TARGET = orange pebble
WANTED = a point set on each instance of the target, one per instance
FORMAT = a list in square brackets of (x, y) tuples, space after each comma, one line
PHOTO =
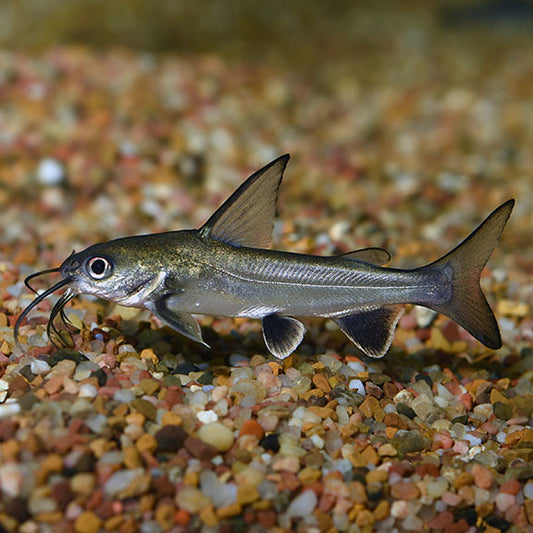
[(182, 518), (251, 427)]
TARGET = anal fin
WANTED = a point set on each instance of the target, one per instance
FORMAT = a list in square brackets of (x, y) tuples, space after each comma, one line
[(282, 334), (181, 321), (371, 331)]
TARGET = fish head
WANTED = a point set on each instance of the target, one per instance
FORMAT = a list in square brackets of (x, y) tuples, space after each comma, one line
[(113, 270)]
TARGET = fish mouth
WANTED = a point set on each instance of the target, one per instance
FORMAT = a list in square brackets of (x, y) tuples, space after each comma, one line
[(59, 338)]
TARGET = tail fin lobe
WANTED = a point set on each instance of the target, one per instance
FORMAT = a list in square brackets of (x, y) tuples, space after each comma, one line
[(468, 305)]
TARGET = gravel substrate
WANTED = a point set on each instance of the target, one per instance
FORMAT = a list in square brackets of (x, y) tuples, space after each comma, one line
[(137, 429)]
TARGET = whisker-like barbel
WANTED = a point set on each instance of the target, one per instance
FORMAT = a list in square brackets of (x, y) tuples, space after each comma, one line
[(38, 274), (37, 301), (58, 309)]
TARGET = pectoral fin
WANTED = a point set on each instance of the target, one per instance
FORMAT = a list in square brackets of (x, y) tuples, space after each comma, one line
[(180, 321), (282, 334), (246, 218), (371, 331)]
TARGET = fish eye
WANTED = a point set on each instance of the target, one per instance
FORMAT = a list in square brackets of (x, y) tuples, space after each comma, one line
[(99, 267)]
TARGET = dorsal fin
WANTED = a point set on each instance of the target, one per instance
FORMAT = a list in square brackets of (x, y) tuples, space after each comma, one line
[(246, 218), (374, 256)]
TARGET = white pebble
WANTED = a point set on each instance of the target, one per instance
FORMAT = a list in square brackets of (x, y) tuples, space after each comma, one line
[(11, 479), (357, 386), (399, 509), (303, 505), (317, 441), (474, 441), (413, 523), (123, 396), (9, 409), (96, 423), (121, 481), (504, 501), (338, 230), (207, 417), (356, 366), (440, 401), (483, 411), (424, 316), (50, 171), (88, 390), (501, 436), (528, 490), (38, 366)]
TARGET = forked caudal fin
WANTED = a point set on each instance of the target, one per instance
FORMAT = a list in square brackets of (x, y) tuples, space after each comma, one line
[(468, 305)]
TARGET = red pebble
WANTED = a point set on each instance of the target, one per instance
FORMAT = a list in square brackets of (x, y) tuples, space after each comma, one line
[(441, 521), (466, 400), (443, 440), (450, 330), (326, 502), (173, 396), (428, 469), (459, 527), (511, 486), (483, 477)]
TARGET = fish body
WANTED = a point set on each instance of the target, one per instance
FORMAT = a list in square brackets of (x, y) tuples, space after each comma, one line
[(225, 269)]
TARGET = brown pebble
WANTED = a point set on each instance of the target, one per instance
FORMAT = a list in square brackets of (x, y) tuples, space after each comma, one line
[(521, 436), (382, 510), (200, 449), (390, 389), (114, 523), (170, 418), (132, 458), (164, 515), (8, 429), (464, 478), (266, 518), (229, 511), (324, 520), (145, 407), (442, 521), (323, 412), (369, 405), (163, 486), (149, 386), (62, 494), (309, 475), (376, 476), (247, 494), (370, 455), (365, 518), (170, 438), (87, 522), (321, 382), (146, 443), (405, 490), (208, 516), (395, 420)]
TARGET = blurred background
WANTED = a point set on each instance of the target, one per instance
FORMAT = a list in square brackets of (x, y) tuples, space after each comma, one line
[(129, 116)]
